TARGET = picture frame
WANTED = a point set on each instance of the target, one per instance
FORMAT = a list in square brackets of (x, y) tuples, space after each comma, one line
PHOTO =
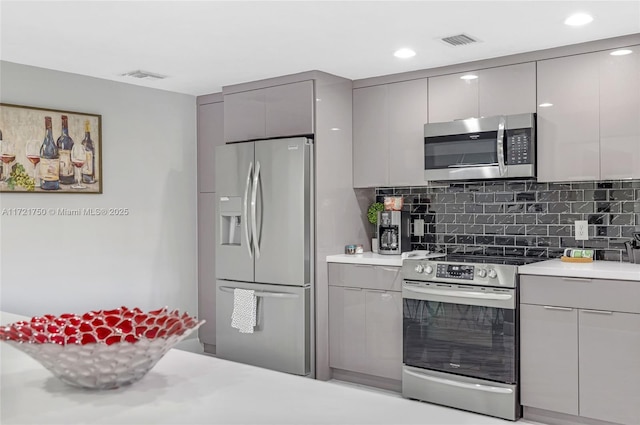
[(37, 155)]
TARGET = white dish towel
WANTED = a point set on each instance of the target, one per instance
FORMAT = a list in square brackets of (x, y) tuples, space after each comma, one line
[(243, 317)]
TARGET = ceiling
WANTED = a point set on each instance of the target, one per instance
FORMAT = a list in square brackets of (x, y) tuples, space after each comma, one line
[(202, 46)]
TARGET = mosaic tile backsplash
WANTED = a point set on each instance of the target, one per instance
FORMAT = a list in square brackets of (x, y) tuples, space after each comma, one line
[(522, 217)]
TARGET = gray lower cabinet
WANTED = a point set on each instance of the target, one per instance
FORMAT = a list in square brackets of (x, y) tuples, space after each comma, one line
[(206, 268), (610, 366), (365, 320), (580, 347), (548, 359)]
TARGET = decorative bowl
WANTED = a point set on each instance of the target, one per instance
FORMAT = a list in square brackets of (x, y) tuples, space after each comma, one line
[(100, 349)]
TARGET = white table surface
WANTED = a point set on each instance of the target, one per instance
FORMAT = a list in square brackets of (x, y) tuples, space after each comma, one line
[(596, 269), (189, 388)]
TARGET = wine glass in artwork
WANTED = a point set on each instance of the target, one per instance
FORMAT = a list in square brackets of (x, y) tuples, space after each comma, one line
[(78, 157), (32, 151), (7, 156)]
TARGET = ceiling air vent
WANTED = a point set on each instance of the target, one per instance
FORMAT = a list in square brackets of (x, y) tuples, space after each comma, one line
[(144, 75), (459, 40)]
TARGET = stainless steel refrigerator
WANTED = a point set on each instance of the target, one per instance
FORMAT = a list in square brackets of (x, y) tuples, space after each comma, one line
[(265, 243)]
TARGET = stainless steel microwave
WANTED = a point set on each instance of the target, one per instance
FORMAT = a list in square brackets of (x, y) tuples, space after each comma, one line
[(481, 148)]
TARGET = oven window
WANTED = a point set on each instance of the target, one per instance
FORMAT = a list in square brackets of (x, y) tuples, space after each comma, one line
[(446, 151), (463, 339)]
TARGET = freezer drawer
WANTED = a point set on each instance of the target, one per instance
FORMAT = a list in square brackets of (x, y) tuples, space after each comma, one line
[(280, 340)]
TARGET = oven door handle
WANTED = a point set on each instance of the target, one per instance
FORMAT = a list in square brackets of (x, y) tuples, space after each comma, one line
[(475, 387), (460, 294)]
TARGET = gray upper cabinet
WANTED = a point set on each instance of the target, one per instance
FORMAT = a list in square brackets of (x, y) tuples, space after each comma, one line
[(407, 116), (452, 98), (289, 109), (620, 115), (388, 128), (278, 111), (507, 90), (569, 128), (244, 116), (594, 118), (370, 137), (210, 135), (502, 90)]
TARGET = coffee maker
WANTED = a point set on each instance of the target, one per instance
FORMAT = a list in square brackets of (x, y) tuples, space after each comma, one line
[(393, 232)]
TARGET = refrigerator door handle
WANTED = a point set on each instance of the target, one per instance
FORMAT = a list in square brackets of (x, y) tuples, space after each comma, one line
[(254, 210), (245, 217)]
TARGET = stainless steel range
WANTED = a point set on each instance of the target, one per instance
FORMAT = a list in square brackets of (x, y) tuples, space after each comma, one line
[(460, 333)]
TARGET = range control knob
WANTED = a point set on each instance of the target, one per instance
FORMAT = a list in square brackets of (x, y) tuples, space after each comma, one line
[(419, 268), (428, 270), (492, 274), (482, 273)]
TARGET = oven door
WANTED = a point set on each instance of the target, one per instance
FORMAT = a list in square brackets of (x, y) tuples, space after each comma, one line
[(465, 330)]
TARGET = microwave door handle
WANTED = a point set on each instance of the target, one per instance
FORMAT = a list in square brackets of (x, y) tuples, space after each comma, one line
[(244, 210), (471, 165), (254, 210), (500, 146)]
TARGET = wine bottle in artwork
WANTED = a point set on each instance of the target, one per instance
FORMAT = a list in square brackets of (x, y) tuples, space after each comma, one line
[(65, 144), (49, 160), (89, 168)]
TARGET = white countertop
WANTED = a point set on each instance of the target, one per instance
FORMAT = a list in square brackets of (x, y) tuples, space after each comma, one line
[(377, 259), (189, 388), (596, 269)]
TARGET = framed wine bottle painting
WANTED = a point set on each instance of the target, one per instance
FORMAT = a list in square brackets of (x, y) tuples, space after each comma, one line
[(49, 151)]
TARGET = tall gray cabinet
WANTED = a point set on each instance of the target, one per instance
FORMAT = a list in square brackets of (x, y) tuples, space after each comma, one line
[(210, 134)]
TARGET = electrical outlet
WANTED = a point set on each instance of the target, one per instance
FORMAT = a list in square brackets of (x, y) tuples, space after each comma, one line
[(581, 230), (418, 227)]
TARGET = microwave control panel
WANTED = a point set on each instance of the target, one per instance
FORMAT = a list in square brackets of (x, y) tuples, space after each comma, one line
[(518, 147)]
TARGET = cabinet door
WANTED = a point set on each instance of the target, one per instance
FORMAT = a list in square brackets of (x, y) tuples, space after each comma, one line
[(407, 107), (370, 137), (347, 329), (507, 90), (569, 129), (384, 333), (244, 116), (210, 135), (289, 109), (549, 358), (452, 98), (206, 267), (610, 366), (620, 115)]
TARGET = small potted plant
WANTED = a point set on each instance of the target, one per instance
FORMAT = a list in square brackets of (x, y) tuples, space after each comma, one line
[(372, 215)]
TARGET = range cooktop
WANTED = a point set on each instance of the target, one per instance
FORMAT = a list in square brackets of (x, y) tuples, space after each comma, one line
[(491, 259)]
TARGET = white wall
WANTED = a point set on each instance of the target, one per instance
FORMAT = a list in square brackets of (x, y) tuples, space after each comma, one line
[(148, 259)]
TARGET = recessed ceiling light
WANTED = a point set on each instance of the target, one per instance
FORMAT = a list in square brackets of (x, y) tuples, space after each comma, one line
[(545, 105), (621, 52), (469, 77), (335, 129), (404, 53), (578, 19)]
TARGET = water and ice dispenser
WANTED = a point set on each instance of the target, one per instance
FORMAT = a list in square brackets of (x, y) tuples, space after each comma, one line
[(230, 216)]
